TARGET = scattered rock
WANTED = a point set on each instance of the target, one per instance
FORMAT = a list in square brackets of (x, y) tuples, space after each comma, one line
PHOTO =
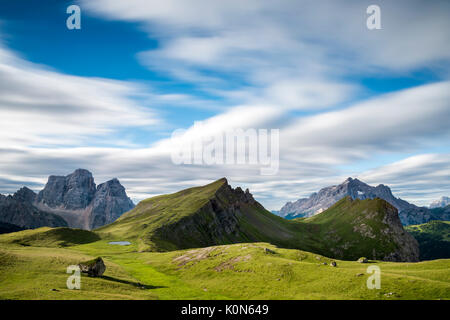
[(363, 260), (390, 294), (55, 290), (359, 274), (325, 263), (267, 250), (94, 268), (333, 264)]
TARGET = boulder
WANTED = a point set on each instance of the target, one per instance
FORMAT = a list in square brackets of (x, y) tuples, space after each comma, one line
[(333, 264), (94, 268), (363, 260)]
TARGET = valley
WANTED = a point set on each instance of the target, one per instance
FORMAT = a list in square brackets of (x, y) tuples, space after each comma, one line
[(217, 242)]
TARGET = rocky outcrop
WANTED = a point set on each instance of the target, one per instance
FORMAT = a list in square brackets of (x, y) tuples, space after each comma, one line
[(407, 246), (19, 210), (83, 205), (94, 268)]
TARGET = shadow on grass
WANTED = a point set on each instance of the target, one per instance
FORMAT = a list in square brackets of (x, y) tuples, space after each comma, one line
[(135, 284)]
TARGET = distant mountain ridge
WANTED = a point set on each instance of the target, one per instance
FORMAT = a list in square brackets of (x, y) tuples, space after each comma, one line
[(356, 189), (442, 202), (18, 210), (73, 200)]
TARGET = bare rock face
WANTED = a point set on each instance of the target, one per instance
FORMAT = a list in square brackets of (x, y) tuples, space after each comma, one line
[(18, 210), (407, 245), (109, 203), (72, 192), (94, 268), (84, 205)]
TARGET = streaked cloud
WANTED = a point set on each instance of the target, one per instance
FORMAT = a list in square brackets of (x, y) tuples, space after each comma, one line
[(292, 65)]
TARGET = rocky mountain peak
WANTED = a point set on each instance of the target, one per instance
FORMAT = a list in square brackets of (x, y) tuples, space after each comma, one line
[(327, 196), (71, 192), (25, 194), (239, 195), (83, 204)]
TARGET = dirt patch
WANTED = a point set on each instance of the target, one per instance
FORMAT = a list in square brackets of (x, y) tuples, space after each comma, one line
[(229, 265), (194, 256)]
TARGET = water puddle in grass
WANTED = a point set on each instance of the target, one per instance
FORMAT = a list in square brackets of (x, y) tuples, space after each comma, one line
[(120, 243)]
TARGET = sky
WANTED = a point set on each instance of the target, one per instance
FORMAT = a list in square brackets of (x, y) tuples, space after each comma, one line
[(348, 101)]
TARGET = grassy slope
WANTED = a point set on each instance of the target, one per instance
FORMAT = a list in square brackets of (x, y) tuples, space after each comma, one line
[(335, 228), (433, 238), (239, 271), (139, 225), (153, 213), (49, 237)]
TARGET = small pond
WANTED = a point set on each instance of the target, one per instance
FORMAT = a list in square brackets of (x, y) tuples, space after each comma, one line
[(120, 243)]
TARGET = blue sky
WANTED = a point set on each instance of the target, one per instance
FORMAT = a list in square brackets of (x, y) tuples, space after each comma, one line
[(373, 104)]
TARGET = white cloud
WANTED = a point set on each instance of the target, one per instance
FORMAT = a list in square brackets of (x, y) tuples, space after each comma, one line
[(398, 121), (420, 179), (43, 107)]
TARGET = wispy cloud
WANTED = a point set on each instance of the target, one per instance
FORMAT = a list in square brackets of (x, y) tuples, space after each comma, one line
[(292, 65), (39, 106)]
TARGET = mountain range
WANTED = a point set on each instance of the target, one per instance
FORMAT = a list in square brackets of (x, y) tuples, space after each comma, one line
[(355, 219), (73, 200), (356, 189), (217, 214)]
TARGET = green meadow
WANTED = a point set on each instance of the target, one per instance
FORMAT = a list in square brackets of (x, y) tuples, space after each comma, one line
[(33, 266)]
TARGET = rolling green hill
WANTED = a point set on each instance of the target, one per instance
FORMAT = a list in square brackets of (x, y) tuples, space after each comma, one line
[(49, 237), (217, 214), (433, 238), (238, 271)]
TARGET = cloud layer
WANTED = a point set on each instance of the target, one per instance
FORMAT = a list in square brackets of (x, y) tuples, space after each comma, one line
[(289, 65)]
